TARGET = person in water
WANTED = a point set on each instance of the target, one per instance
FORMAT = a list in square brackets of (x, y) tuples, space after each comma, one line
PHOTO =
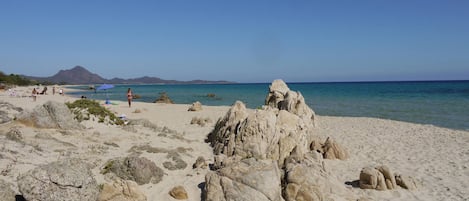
[(129, 96)]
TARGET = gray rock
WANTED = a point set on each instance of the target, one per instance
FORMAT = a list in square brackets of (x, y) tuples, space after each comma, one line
[(176, 164), (66, 180), (8, 112), (138, 169), (6, 193), (50, 115), (248, 179)]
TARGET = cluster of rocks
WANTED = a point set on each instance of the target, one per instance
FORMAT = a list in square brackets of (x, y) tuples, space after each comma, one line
[(382, 178), (270, 154)]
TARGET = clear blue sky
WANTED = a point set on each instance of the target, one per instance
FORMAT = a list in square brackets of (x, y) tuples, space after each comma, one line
[(243, 41)]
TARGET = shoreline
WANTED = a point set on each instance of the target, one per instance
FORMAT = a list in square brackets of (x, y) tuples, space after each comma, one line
[(435, 156)]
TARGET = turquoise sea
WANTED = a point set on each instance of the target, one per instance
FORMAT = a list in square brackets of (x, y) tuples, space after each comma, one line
[(441, 103)]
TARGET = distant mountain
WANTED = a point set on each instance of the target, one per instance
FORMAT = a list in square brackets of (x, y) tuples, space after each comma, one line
[(80, 75)]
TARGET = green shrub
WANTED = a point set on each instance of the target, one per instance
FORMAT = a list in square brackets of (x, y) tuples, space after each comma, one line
[(92, 108)]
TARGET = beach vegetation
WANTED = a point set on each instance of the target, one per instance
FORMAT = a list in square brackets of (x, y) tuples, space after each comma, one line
[(14, 79), (83, 109)]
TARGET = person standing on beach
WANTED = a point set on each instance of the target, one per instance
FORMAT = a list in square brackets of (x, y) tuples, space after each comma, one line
[(53, 90), (129, 96), (34, 94)]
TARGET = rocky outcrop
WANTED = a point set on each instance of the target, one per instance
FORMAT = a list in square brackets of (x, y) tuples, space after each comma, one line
[(67, 180), (178, 193), (138, 169), (265, 154), (50, 115), (121, 190), (264, 134), (6, 193), (196, 106), (248, 179), (164, 98)]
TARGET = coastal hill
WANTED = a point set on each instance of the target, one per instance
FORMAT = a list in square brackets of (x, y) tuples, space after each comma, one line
[(80, 75)]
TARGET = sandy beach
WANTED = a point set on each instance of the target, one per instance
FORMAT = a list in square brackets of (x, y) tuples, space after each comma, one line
[(438, 158)]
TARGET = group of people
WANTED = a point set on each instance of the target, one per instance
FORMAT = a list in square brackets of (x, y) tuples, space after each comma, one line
[(61, 92), (36, 92)]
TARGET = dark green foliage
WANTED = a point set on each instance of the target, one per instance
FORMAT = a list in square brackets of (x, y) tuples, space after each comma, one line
[(93, 108), (15, 80)]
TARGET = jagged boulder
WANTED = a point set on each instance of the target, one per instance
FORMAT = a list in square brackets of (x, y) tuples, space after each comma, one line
[(263, 134), (281, 97), (67, 180), (6, 193), (248, 179), (121, 190), (196, 106), (50, 115), (138, 169)]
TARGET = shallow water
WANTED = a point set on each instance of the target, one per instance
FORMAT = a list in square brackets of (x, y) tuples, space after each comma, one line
[(441, 103)]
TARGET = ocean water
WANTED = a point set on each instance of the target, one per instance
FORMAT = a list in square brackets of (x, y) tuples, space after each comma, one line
[(441, 103)]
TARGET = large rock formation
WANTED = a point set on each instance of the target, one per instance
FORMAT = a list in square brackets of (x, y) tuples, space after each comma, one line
[(67, 180), (265, 154), (50, 115)]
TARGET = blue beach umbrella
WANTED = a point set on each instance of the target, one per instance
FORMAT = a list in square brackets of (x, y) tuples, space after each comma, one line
[(105, 87)]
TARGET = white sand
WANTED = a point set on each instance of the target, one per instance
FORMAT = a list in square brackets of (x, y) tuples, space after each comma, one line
[(438, 157)]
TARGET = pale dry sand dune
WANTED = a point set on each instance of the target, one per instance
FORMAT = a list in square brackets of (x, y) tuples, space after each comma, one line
[(437, 157)]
